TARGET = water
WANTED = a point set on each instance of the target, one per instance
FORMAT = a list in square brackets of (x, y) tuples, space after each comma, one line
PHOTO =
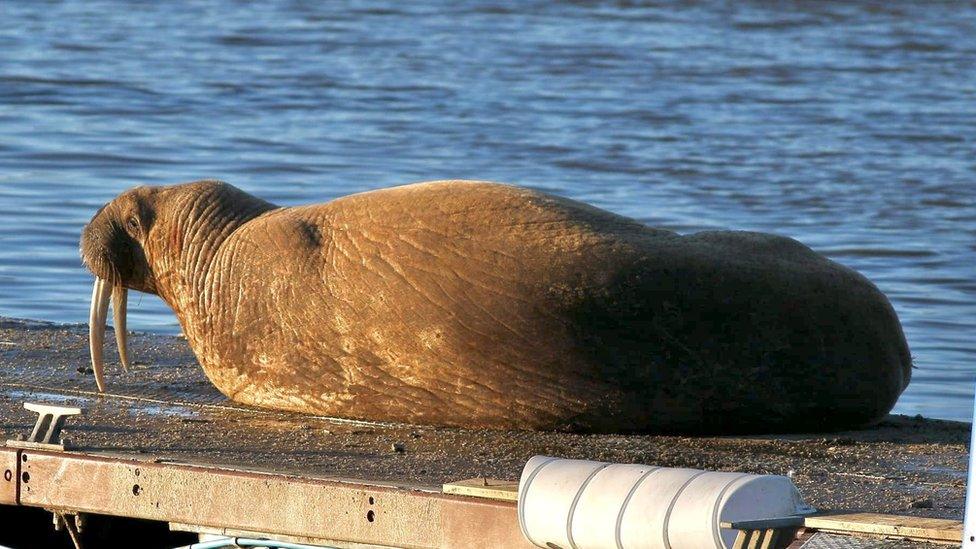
[(849, 126)]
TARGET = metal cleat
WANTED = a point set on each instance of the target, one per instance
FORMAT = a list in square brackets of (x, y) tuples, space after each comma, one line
[(47, 430)]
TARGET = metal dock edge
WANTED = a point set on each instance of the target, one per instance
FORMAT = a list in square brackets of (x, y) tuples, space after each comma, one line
[(213, 499)]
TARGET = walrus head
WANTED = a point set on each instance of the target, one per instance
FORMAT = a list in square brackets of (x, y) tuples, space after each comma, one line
[(112, 249), (149, 233)]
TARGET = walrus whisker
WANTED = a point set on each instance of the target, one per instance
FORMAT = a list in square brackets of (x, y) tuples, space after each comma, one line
[(96, 328), (120, 297)]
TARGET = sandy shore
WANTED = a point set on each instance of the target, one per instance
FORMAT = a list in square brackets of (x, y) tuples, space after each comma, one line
[(165, 408)]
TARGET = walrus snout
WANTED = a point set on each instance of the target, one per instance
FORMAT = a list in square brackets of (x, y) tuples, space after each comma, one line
[(114, 258)]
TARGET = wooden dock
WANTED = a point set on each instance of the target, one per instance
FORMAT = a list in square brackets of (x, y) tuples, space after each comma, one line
[(163, 445), (331, 512)]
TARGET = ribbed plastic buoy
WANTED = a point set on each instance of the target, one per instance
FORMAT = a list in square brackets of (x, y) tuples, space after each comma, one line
[(592, 505)]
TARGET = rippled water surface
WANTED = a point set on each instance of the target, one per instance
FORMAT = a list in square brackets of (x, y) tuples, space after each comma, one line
[(850, 126)]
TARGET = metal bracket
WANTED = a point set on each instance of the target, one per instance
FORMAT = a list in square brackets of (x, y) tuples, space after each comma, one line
[(771, 533), (73, 527), (47, 430)]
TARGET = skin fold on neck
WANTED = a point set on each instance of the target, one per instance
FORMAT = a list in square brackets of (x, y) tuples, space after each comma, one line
[(181, 249)]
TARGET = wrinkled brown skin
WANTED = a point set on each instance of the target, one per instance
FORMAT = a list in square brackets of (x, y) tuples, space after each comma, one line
[(483, 305)]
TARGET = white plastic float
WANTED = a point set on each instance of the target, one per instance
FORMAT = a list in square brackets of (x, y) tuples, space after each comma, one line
[(574, 504)]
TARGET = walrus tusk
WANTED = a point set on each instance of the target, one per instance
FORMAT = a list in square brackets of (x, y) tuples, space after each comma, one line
[(120, 295), (96, 328)]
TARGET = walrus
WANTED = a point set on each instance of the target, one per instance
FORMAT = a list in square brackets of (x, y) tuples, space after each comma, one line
[(483, 305)]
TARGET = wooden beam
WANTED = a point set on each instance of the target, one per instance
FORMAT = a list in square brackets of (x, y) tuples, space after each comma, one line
[(332, 511), (917, 528), (10, 481), (490, 488)]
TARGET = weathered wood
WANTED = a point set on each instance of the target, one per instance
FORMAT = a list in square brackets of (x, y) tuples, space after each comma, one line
[(755, 538), (918, 528), (332, 511), (30, 445), (764, 533), (741, 539), (9, 481), (506, 490), (769, 538)]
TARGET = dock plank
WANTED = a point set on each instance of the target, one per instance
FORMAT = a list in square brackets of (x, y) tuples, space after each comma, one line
[(506, 490), (919, 528)]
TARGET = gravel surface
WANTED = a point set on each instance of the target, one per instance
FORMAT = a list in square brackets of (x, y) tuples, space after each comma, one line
[(164, 407)]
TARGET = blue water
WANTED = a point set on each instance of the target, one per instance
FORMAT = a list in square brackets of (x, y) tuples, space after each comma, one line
[(850, 126)]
